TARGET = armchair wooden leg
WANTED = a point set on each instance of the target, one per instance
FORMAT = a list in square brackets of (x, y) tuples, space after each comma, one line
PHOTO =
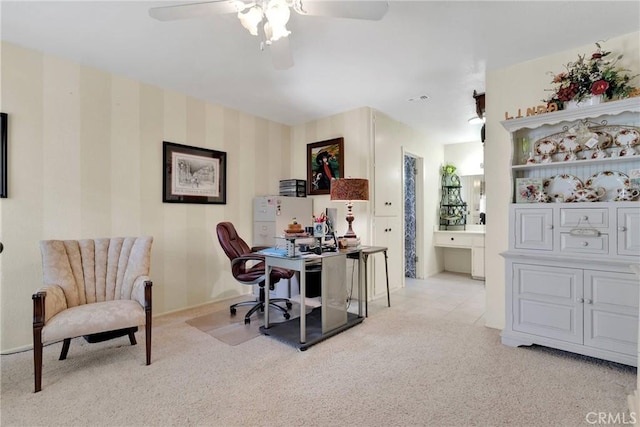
[(37, 360), (132, 336), (38, 324), (147, 325), (65, 348)]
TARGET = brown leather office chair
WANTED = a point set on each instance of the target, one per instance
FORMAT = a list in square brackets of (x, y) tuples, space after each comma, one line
[(248, 268)]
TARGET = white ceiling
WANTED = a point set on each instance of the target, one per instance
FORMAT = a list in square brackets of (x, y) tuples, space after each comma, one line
[(440, 49)]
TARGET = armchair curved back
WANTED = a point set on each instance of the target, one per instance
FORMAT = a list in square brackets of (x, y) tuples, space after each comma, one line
[(95, 270)]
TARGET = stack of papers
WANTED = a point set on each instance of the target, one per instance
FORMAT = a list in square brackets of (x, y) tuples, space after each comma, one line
[(274, 251)]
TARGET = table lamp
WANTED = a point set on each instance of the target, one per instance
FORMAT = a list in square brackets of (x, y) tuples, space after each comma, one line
[(349, 190)]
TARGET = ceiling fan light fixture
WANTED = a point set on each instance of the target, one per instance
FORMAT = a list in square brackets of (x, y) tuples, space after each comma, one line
[(250, 19), (278, 14)]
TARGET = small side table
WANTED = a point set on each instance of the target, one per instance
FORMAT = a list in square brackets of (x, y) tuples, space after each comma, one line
[(365, 251)]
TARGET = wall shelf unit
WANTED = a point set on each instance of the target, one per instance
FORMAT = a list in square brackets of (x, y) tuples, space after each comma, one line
[(453, 210)]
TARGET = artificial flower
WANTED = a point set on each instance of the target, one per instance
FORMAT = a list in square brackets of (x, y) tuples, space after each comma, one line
[(599, 87), (598, 76)]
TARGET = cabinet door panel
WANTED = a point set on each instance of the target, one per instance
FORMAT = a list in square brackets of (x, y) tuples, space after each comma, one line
[(611, 331), (611, 311), (545, 302), (387, 233), (628, 231), (388, 177), (534, 229)]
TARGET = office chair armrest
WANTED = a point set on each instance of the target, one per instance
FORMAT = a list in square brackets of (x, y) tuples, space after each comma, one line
[(247, 257), (258, 248)]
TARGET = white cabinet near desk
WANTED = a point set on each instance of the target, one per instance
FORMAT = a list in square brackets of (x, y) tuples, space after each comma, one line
[(387, 233), (461, 245)]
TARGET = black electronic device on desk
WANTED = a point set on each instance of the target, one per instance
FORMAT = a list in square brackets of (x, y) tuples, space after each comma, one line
[(321, 245), (324, 247)]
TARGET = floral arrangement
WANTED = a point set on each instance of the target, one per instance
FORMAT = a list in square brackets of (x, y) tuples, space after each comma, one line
[(597, 75), (448, 169)]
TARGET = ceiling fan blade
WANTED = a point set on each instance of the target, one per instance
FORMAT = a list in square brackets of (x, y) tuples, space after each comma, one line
[(281, 54), (192, 10), (370, 10)]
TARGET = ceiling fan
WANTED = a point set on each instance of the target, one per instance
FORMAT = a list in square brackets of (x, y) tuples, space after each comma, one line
[(268, 18)]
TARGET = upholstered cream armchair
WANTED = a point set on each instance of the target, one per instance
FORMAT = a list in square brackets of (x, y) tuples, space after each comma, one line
[(98, 289)]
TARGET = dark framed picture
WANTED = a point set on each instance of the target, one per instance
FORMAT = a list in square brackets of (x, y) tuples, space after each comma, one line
[(193, 174), (325, 161), (3, 155)]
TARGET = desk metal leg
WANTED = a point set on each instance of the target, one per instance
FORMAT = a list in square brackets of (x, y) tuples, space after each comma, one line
[(361, 288), (267, 283), (303, 300), (386, 270), (365, 257)]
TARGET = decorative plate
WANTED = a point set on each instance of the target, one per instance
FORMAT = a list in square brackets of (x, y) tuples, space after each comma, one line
[(562, 185), (627, 137), (545, 146), (610, 181), (570, 144), (604, 139)]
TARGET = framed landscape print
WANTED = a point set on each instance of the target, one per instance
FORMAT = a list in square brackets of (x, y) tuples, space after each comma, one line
[(325, 161), (193, 174)]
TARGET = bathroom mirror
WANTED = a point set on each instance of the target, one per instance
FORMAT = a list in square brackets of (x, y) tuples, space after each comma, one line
[(473, 193)]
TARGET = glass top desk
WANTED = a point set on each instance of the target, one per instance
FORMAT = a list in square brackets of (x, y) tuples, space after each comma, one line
[(332, 316)]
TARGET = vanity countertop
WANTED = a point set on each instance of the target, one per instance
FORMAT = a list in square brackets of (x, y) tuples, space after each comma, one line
[(479, 230)]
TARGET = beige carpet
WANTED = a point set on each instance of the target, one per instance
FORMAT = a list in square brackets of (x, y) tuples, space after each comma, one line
[(400, 367)]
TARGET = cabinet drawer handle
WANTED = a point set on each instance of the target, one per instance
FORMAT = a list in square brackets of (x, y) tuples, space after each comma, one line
[(549, 227), (580, 300), (585, 243), (622, 228), (588, 301), (452, 239), (585, 218)]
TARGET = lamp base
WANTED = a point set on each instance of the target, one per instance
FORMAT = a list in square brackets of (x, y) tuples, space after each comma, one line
[(350, 234)]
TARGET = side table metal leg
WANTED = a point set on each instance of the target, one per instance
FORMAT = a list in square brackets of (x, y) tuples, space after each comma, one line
[(386, 270)]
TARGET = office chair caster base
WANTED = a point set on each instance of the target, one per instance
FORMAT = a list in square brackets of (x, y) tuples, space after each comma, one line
[(287, 316), (289, 305), (233, 311), (247, 321)]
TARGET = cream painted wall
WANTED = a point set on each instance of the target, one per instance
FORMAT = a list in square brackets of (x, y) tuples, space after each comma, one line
[(508, 89), (85, 161), (355, 127)]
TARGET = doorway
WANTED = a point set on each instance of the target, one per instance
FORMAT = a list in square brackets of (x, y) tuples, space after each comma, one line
[(412, 184)]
